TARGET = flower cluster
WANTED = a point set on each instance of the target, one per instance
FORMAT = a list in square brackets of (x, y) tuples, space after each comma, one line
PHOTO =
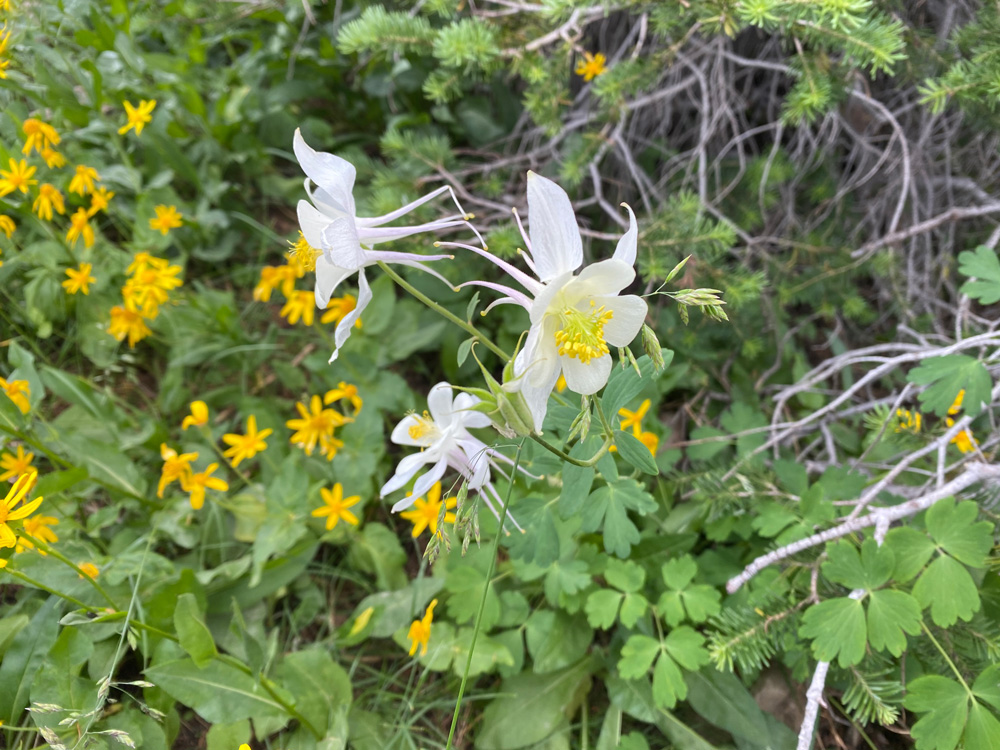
[(148, 287), (316, 425)]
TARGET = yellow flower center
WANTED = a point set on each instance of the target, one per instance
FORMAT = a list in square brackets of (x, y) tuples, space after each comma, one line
[(423, 427), (581, 334)]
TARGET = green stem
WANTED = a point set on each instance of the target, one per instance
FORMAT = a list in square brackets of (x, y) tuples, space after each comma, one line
[(482, 600), (951, 664), (63, 559), (464, 325), (38, 584), (568, 458), (608, 429)]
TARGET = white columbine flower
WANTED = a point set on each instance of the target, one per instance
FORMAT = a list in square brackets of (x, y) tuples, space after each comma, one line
[(442, 434), (574, 318), (330, 224)]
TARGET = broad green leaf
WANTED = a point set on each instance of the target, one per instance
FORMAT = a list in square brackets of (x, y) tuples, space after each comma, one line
[(948, 589), (868, 571), (531, 707), (982, 265), (721, 698), (946, 376), (635, 452), (541, 545), (890, 613), (792, 475), (837, 627), (577, 480), (634, 606), (911, 550), (320, 686), (194, 635), (668, 682), (698, 602), (556, 639), (671, 607), (954, 527), (227, 736), (701, 602), (77, 391), (987, 686), (740, 417), (772, 518), (602, 608), (624, 575), (678, 573), (982, 732), (687, 647), (23, 657), (465, 586), (564, 579), (945, 706), (488, 655), (637, 656), (624, 384)]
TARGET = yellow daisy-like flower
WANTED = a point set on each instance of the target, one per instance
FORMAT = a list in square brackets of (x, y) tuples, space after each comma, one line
[(650, 441), (315, 422), (344, 391), (99, 200), (338, 307), (17, 493), (7, 225), (176, 467), (335, 507), (198, 416), (79, 279), (964, 441), (301, 305), (167, 218), (89, 569), (329, 445), (198, 483), (908, 421), (39, 136), (420, 630), (37, 528), (48, 198), (270, 277), (425, 514), (149, 286), (83, 181), (633, 419), (303, 255), (127, 320), (245, 446), (591, 66), (18, 391), (80, 227), (18, 177), (138, 117), (53, 159), (16, 465)]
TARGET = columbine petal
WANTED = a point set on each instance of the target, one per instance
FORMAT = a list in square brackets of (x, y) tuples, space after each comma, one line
[(629, 314), (341, 244), (423, 483), (537, 397), (401, 432), (328, 171), (407, 467), (328, 278), (555, 237), (628, 244), (588, 378), (439, 404), (346, 324), (606, 277), (462, 408)]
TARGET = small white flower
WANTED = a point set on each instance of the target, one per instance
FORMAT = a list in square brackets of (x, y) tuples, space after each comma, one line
[(330, 223), (574, 318)]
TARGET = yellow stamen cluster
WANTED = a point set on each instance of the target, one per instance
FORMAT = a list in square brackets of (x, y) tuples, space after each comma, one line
[(581, 334), (303, 254), (423, 427)]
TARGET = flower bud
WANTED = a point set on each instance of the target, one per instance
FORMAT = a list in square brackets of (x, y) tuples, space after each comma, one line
[(651, 345)]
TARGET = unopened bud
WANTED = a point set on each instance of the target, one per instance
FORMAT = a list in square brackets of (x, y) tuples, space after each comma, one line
[(651, 345)]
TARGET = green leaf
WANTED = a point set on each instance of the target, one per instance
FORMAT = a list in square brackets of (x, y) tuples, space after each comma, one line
[(698, 602), (320, 686), (837, 627), (633, 607), (531, 707), (677, 574), (608, 505), (946, 376), (987, 686), (945, 705), (721, 698), (624, 575), (602, 608), (556, 639), (194, 635), (577, 480), (218, 693), (890, 613), (24, 656), (982, 732), (954, 527), (687, 647), (637, 656), (983, 265), (625, 385), (869, 571), (948, 589), (634, 452), (668, 682), (465, 586), (911, 550)]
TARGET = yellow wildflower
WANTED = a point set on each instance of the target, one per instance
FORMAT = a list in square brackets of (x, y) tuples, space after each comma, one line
[(53, 159), (48, 198), (79, 279), (149, 286), (956, 407), (138, 117), (270, 277), (143, 260), (37, 528), (176, 467), (425, 513), (303, 255), (344, 391), (7, 513), (964, 441), (300, 305), (80, 227), (199, 482), (198, 416), (335, 507), (650, 441), (591, 66), (7, 225), (167, 218), (315, 422), (128, 321), (338, 308), (83, 181), (18, 391), (329, 445), (17, 178), (420, 630), (89, 569), (633, 419), (99, 200), (39, 136), (245, 446), (16, 465), (908, 421)]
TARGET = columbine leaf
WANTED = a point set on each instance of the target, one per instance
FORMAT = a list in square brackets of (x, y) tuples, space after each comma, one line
[(637, 656), (948, 589), (633, 607), (687, 647), (982, 732), (843, 565), (668, 683), (911, 550), (625, 575), (890, 613), (987, 686), (982, 263), (701, 602), (671, 607), (635, 452), (946, 376), (602, 608), (837, 627), (954, 527), (945, 706), (677, 574), (609, 505)]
